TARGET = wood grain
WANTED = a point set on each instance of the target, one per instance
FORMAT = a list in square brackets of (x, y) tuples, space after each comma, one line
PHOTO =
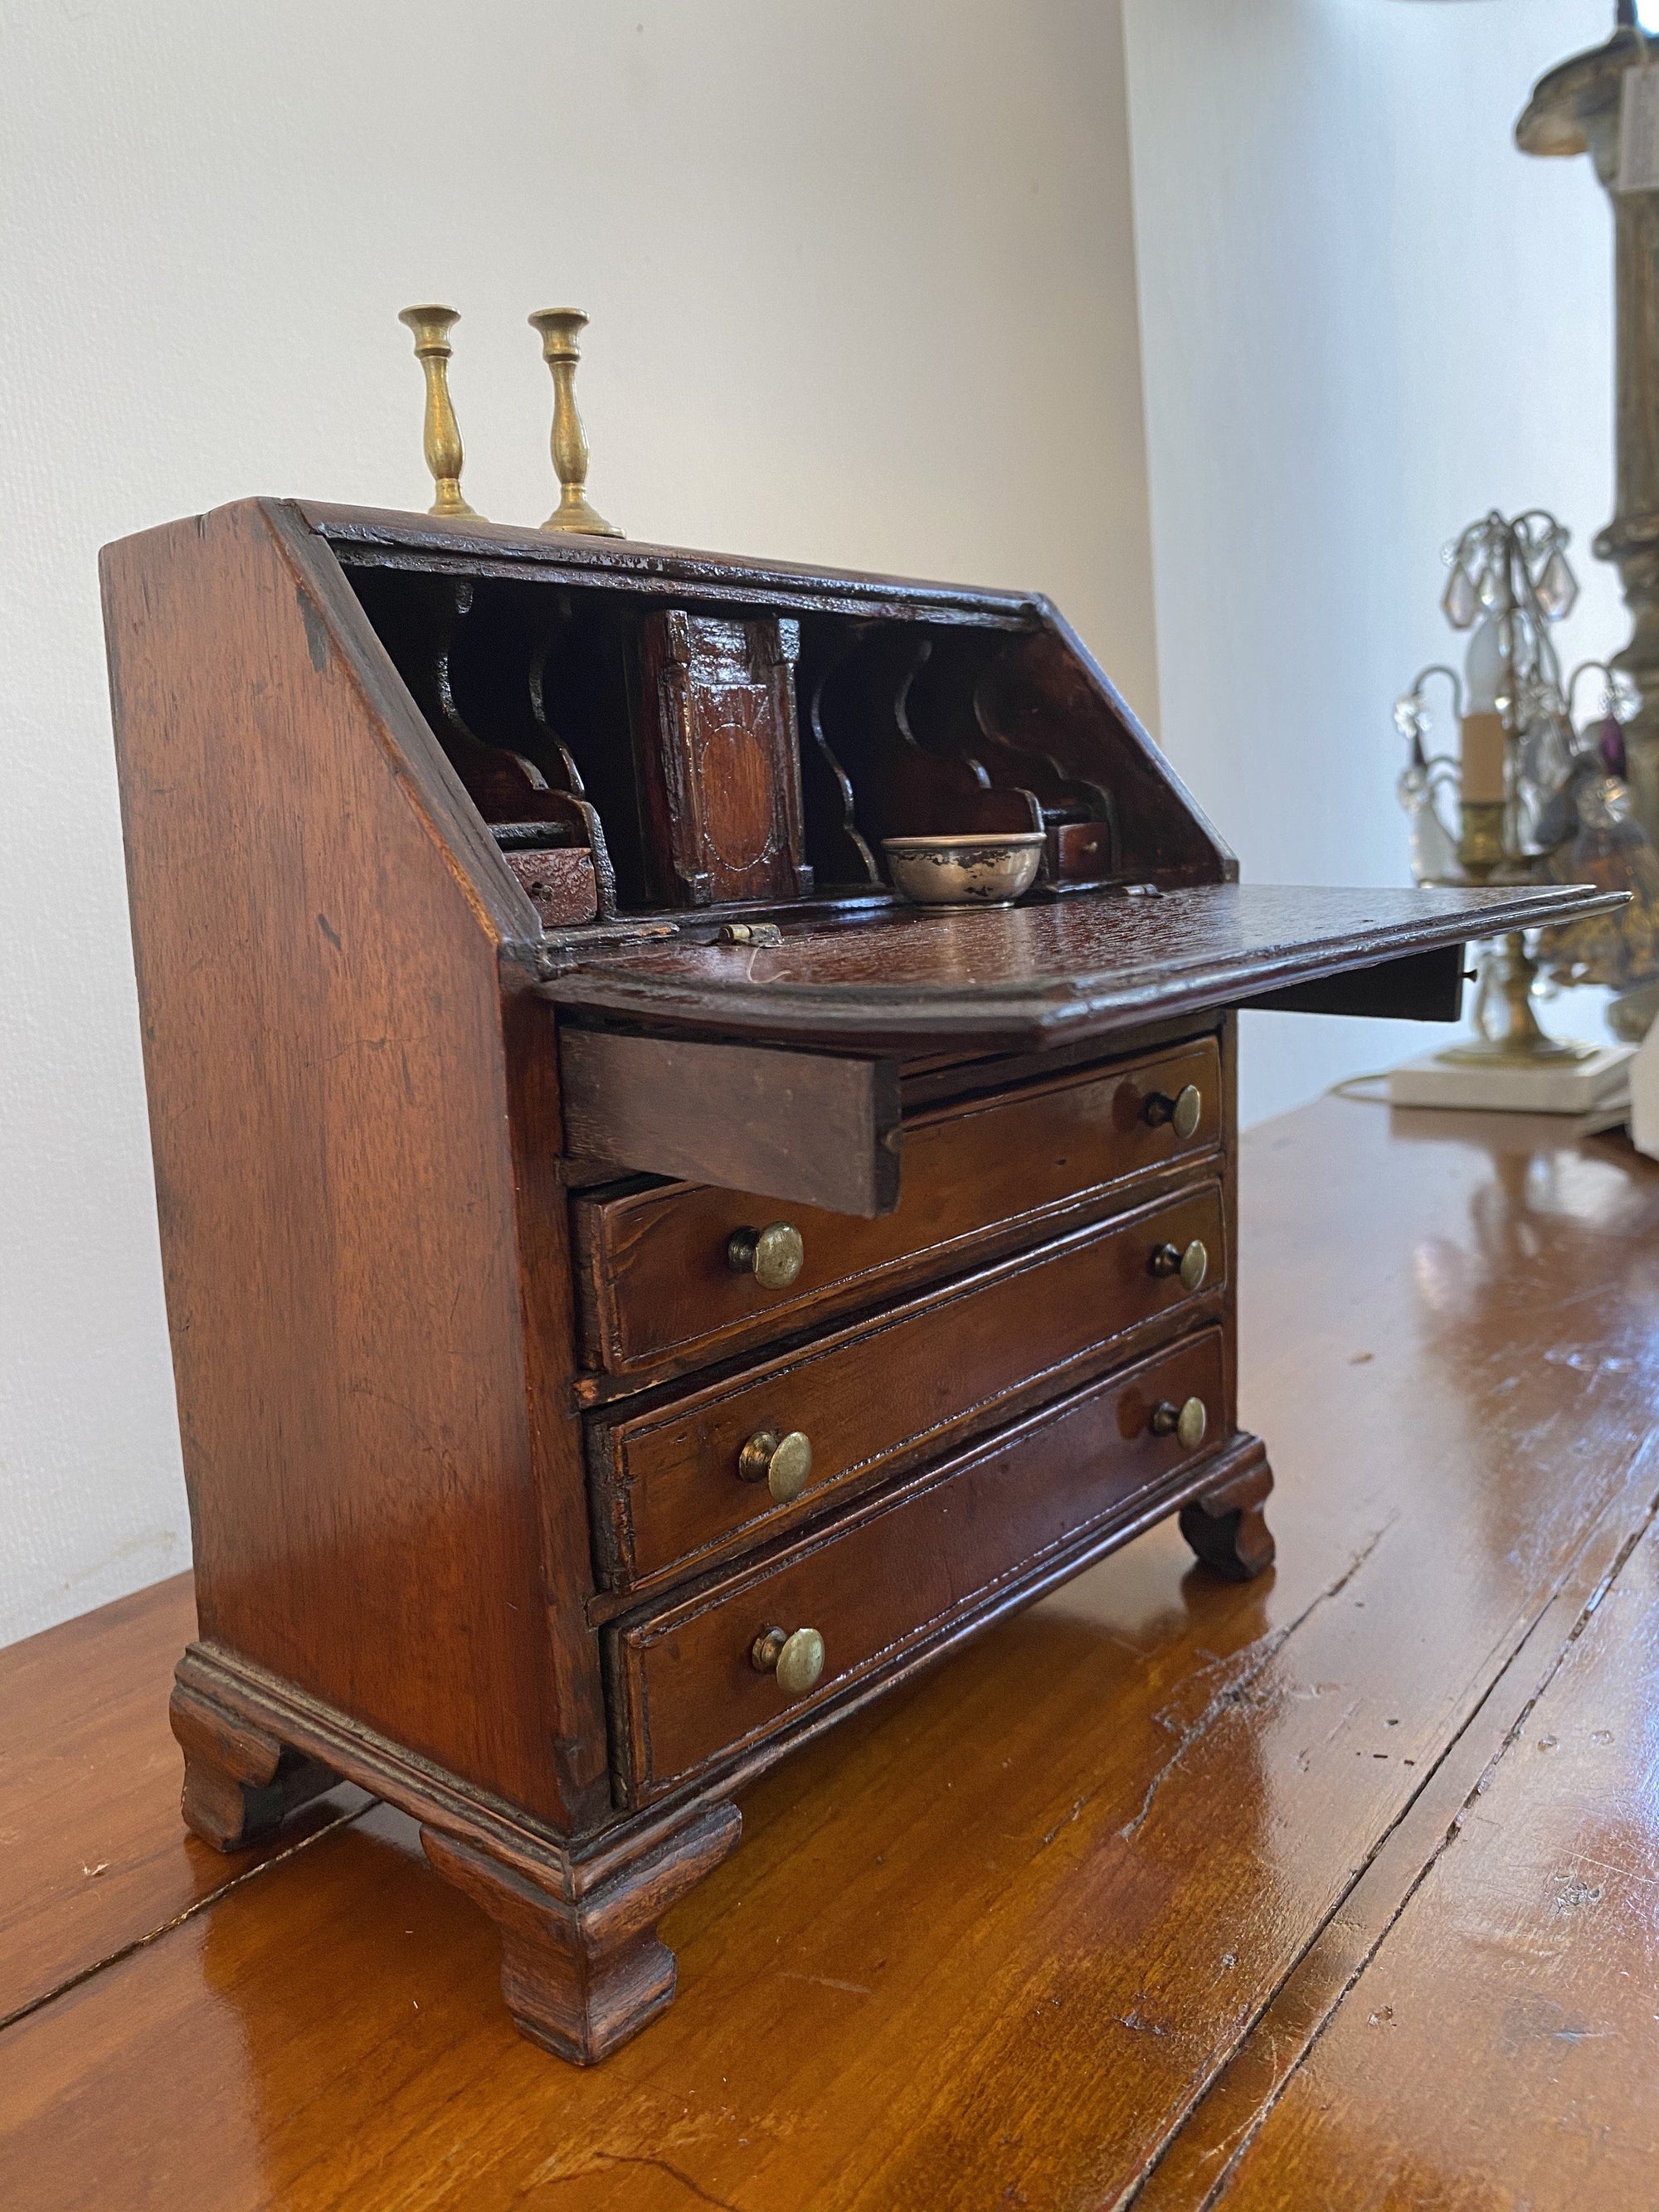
[(918, 1565), (582, 1975), (977, 1178), (358, 1119), (93, 1856), (990, 1942), (1196, 2161), (323, 1007), (1037, 976), (1501, 2047), (1048, 721), (873, 1397), (817, 1128), (561, 884), (718, 758)]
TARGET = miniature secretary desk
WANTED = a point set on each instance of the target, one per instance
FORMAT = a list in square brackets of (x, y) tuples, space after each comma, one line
[(638, 1291)]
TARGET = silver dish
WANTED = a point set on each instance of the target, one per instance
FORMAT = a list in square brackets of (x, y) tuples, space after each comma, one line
[(994, 869)]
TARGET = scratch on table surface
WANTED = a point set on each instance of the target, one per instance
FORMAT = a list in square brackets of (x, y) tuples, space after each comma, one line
[(1561, 2030), (660, 2137), (828, 1982), (594, 2158), (1066, 1822), (1239, 1688), (1607, 1866)]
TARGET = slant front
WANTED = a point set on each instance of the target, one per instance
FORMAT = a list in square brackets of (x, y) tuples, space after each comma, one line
[(1042, 976)]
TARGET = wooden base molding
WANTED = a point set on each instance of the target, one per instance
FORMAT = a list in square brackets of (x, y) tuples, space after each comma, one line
[(582, 1967), (579, 1978), (239, 1782)]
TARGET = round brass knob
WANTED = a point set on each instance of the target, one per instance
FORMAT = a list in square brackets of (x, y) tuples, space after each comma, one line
[(1189, 1423), (1192, 1265), (797, 1660), (782, 1463), (1184, 1111), (774, 1255)]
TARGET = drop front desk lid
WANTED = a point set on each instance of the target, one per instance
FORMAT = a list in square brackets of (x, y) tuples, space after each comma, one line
[(1027, 978)]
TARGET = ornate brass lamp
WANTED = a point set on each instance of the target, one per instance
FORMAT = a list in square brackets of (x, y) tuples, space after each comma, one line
[(1533, 798)]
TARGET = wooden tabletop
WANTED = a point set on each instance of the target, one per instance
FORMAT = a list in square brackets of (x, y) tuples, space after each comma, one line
[(1334, 1890)]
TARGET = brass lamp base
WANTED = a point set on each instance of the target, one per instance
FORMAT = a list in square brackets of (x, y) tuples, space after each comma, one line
[(1521, 1040)]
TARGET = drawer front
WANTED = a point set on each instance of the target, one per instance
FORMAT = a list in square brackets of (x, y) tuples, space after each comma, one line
[(896, 1572), (669, 1484), (658, 1289)]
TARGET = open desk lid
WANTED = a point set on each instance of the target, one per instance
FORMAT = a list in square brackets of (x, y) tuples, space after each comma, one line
[(1025, 978)]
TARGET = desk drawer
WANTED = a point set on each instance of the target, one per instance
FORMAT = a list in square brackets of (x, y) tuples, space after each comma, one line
[(658, 1290), (670, 1485), (898, 1572)]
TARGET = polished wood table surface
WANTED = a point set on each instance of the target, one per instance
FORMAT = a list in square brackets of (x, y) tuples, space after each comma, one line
[(1334, 1890)]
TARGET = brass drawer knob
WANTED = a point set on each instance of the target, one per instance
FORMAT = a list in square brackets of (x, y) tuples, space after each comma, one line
[(797, 1660), (774, 1255), (782, 1463), (1183, 1110), (1189, 1423), (1192, 1265)]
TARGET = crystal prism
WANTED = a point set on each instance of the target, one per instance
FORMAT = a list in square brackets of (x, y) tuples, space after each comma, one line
[(1558, 587), (1434, 850), (1459, 601)]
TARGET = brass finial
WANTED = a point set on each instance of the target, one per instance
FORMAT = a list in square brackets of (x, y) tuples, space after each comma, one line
[(431, 326), (558, 327)]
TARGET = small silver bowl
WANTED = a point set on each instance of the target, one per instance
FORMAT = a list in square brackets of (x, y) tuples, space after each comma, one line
[(994, 869)]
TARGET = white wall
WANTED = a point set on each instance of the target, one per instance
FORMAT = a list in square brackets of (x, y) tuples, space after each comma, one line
[(863, 291), (864, 283), (1366, 318)]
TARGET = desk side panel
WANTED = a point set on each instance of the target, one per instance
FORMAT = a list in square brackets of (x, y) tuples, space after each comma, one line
[(323, 1047)]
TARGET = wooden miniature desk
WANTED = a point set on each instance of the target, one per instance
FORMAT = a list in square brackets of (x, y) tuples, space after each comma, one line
[(639, 1291), (1345, 1873)]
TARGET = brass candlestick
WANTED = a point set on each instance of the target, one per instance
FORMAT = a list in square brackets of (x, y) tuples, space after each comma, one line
[(442, 439), (559, 327)]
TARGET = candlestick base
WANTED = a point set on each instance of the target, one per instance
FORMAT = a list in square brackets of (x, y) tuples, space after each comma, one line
[(573, 513)]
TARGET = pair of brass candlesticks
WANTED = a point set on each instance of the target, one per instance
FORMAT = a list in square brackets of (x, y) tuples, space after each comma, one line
[(559, 328)]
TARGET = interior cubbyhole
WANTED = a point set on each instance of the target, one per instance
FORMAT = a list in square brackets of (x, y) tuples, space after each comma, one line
[(908, 728)]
